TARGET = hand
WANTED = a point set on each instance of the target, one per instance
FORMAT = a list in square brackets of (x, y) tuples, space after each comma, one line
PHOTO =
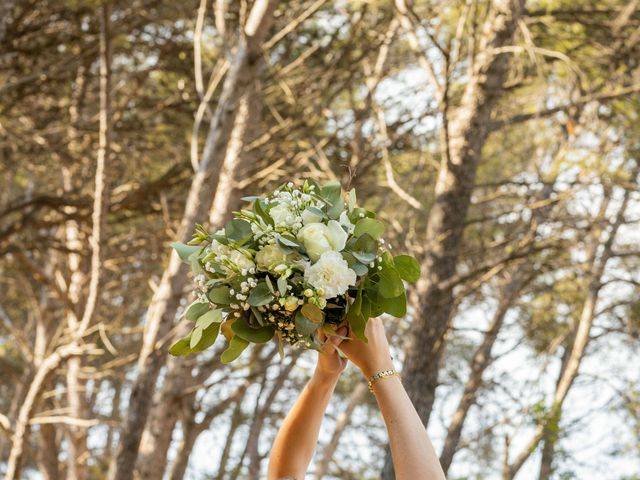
[(330, 363), (371, 357)]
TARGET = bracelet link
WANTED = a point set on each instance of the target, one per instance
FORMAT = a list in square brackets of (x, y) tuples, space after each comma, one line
[(382, 374)]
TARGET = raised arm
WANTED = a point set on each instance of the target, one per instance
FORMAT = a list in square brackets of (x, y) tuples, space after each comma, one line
[(298, 436), (414, 457)]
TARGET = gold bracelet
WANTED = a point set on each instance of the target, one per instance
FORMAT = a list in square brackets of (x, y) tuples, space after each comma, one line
[(379, 375)]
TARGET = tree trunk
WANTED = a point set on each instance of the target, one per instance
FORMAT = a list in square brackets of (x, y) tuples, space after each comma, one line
[(463, 141), (76, 345), (481, 360), (156, 437), (161, 312), (581, 335)]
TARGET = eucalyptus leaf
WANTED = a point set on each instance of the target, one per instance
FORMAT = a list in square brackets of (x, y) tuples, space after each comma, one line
[(220, 295), (181, 347), (269, 284), (360, 269), (304, 325), (237, 345), (352, 199), (184, 251), (373, 227), (254, 335), (282, 286), (408, 267), (238, 230), (390, 283), (396, 306), (209, 336), (196, 335), (364, 257), (357, 321), (312, 312), (212, 316), (260, 295), (332, 192), (195, 310)]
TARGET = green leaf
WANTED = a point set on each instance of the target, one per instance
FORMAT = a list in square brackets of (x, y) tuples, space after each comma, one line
[(364, 257), (209, 336), (360, 269), (236, 346), (251, 334), (282, 286), (312, 312), (184, 251), (352, 199), (336, 209), (195, 310), (317, 211), (196, 335), (357, 321), (260, 295), (396, 306), (408, 267), (262, 212), (289, 242), (390, 283), (269, 284), (285, 248), (373, 227), (181, 347), (238, 230), (332, 192), (212, 316), (304, 325), (220, 295), (365, 243)]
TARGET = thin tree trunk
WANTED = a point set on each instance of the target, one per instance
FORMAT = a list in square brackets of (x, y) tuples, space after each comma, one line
[(161, 312), (48, 450), (156, 437), (463, 139), (75, 346), (580, 336), (481, 360)]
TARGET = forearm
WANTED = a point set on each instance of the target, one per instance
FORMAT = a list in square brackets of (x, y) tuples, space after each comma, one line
[(296, 440), (415, 459)]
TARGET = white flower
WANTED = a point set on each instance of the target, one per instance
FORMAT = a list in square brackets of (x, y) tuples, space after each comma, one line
[(309, 217), (282, 215), (270, 256), (290, 303), (331, 273), (241, 261), (345, 222), (318, 238)]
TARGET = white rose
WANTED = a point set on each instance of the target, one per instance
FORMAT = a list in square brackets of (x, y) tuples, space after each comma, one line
[(241, 261), (345, 222), (282, 215), (330, 273), (270, 256), (310, 217), (318, 238)]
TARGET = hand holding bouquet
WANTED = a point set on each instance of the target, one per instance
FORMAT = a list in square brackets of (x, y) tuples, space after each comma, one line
[(299, 261)]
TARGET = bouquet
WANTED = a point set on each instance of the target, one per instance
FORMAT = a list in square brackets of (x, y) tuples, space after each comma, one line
[(299, 261)]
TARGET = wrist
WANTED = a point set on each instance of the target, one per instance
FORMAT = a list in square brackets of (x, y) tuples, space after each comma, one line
[(325, 379), (378, 366)]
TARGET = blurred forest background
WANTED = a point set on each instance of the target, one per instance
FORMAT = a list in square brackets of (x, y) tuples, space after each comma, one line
[(500, 141)]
